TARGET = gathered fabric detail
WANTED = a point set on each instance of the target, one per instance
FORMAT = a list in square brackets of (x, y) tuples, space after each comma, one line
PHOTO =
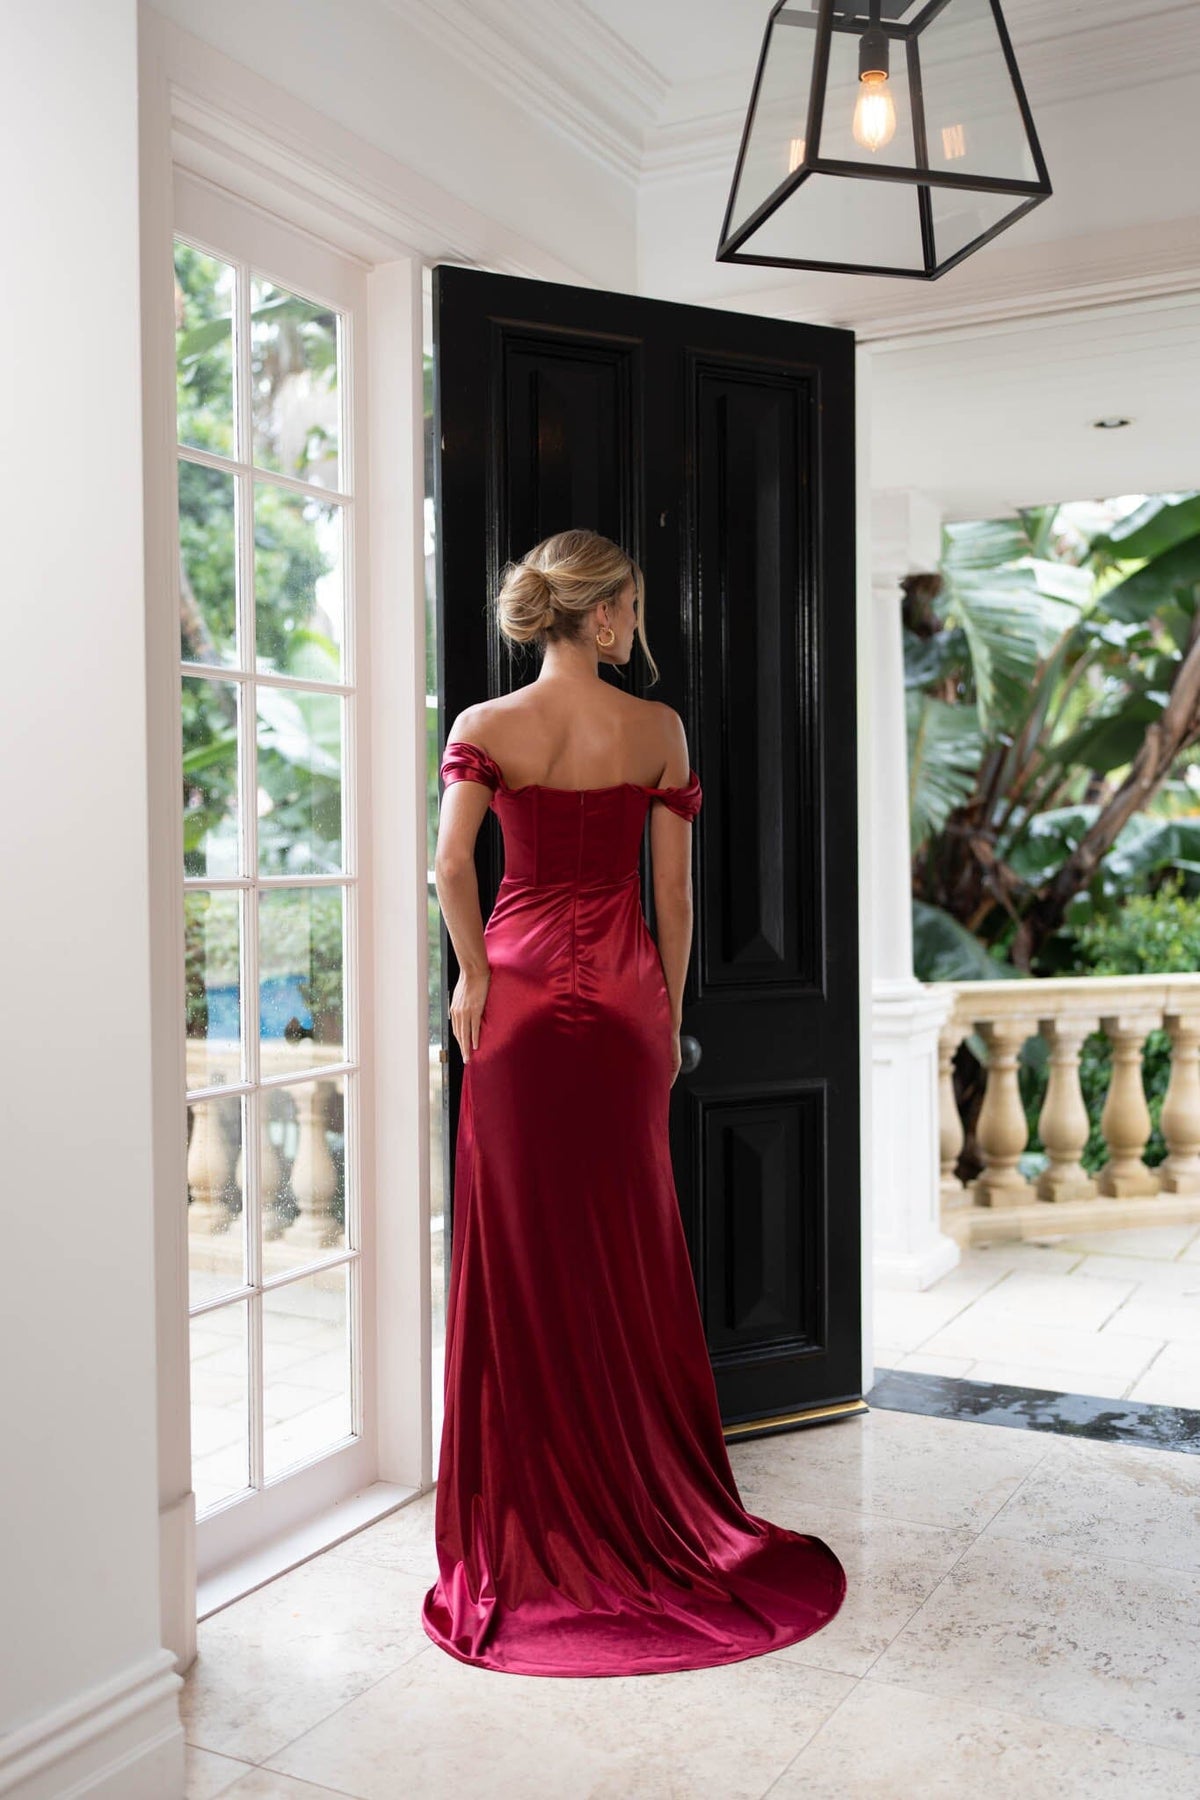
[(465, 761)]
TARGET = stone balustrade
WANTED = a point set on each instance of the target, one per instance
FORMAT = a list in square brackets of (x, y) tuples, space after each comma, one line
[(1003, 1201), (310, 1227)]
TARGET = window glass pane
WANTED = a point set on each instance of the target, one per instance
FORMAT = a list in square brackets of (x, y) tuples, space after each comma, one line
[(220, 1403), (210, 793), (216, 1216), (294, 363), (299, 782), (306, 1369), (207, 565), (203, 350), (303, 1173), (298, 584), (212, 944), (300, 978)]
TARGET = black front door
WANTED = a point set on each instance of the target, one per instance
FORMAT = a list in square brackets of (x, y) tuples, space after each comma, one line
[(718, 449)]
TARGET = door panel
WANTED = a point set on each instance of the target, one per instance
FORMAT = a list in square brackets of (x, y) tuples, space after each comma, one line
[(718, 449)]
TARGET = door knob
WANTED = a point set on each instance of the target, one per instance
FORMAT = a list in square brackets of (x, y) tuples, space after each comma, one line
[(689, 1052)]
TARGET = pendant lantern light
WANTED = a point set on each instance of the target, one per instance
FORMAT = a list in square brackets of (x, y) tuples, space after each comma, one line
[(884, 137)]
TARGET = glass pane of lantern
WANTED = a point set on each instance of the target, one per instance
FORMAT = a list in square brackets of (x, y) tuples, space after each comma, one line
[(866, 122), (775, 144), (842, 219), (960, 216), (973, 124)]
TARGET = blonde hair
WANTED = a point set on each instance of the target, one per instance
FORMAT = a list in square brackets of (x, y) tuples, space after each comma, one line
[(549, 593)]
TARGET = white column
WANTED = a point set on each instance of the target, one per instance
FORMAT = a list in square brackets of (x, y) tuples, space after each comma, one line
[(910, 1248), (89, 1695)]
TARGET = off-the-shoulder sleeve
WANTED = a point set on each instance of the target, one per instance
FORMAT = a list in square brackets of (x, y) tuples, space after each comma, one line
[(683, 800), (467, 762)]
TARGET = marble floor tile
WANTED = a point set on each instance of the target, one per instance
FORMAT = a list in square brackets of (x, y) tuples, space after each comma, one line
[(402, 1540), (898, 1465), (1065, 1300), (1173, 1378), (441, 1730), (1174, 1317), (1160, 1242), (291, 1653), (892, 1566), (1028, 1254), (206, 1774), (890, 1743), (1001, 1337), (922, 1363), (1093, 1642), (1155, 1277), (269, 1784), (1048, 1375), (908, 1319), (1088, 1498)]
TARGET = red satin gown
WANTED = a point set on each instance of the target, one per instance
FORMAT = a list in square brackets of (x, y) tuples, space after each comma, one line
[(586, 1517)]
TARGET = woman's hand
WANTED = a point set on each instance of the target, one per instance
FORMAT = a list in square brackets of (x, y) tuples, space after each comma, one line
[(676, 1054), (466, 1008)]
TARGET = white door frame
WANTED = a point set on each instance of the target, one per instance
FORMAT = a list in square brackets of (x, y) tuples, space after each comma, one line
[(204, 113)]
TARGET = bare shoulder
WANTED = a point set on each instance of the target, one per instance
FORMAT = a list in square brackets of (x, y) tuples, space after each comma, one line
[(666, 728), (472, 724)]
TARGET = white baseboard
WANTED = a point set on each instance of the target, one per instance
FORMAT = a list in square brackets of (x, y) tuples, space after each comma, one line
[(120, 1740)]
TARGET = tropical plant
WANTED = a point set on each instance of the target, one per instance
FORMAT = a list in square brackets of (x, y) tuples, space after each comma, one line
[(1051, 709)]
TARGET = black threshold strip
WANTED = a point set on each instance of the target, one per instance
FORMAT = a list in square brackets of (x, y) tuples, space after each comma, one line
[(1038, 1409)]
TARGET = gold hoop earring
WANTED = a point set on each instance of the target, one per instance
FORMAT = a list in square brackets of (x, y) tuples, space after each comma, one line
[(604, 642)]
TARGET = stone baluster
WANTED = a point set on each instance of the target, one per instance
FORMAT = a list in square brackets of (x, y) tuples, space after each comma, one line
[(1063, 1123), (1001, 1132), (210, 1168), (270, 1173), (314, 1173), (950, 1126), (1125, 1120), (1180, 1172)]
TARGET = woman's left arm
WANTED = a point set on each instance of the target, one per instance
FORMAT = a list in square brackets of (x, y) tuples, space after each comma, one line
[(464, 804)]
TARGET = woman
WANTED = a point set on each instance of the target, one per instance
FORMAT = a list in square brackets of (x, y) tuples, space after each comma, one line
[(587, 1518)]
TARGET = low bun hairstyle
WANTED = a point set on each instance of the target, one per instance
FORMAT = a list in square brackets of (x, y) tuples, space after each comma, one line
[(547, 596)]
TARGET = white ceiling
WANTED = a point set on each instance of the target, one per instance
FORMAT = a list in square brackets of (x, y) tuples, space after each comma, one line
[(984, 381), (989, 421)]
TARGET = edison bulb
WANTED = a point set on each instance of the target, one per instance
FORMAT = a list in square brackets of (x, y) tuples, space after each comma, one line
[(875, 112)]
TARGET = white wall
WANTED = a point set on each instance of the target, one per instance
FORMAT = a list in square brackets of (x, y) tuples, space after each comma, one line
[(79, 1544), (367, 68)]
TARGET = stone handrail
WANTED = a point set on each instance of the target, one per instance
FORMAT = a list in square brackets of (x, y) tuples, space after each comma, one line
[(1063, 1012)]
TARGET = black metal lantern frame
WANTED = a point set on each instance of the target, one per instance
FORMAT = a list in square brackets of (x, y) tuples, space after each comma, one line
[(884, 137)]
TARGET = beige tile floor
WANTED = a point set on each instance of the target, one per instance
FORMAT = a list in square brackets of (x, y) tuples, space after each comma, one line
[(1022, 1620), (1111, 1313)]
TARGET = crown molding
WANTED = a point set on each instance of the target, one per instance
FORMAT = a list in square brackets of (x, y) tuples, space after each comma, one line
[(562, 60), (239, 131), (603, 96)]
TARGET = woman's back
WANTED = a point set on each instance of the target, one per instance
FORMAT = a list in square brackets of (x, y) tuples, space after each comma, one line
[(562, 733)]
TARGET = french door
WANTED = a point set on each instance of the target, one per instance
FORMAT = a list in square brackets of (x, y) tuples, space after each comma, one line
[(718, 448), (270, 330)]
